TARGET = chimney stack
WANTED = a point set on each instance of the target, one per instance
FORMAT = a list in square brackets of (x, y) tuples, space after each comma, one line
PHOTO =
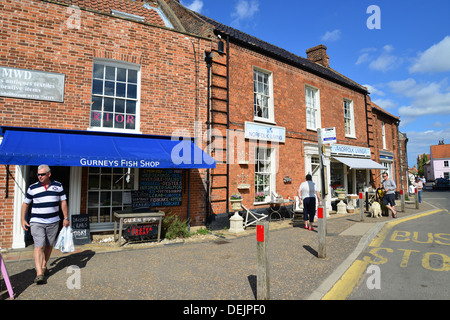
[(319, 55)]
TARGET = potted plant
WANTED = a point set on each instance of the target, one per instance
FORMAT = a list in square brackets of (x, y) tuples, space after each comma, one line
[(340, 193), (236, 199), (260, 197)]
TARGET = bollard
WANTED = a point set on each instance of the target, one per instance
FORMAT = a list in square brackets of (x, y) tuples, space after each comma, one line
[(322, 253), (361, 207), (417, 198), (402, 198), (262, 276)]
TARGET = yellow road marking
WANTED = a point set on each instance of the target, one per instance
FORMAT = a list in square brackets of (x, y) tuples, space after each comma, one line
[(348, 281)]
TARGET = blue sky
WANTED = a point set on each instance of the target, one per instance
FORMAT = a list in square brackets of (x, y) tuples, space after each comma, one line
[(403, 58)]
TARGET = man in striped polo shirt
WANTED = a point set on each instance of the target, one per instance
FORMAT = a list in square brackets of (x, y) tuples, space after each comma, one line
[(46, 195)]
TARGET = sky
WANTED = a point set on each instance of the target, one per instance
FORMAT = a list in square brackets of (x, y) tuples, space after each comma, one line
[(399, 49)]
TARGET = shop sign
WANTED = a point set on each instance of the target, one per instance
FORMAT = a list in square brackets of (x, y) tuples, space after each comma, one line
[(30, 84), (328, 135), (81, 229), (350, 150), (258, 131)]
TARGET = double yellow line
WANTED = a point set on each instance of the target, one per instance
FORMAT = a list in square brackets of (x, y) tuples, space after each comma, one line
[(342, 289)]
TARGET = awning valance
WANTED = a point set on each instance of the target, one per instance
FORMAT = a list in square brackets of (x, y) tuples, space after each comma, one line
[(75, 148), (359, 163)]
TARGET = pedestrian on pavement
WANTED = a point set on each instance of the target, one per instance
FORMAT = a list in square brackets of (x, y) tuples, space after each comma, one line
[(419, 186), (389, 194), (307, 194), (47, 196)]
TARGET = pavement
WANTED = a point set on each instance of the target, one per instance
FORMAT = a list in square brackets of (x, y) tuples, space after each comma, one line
[(217, 266)]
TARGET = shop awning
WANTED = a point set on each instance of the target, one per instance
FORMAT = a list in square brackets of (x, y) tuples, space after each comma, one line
[(75, 148), (359, 163)]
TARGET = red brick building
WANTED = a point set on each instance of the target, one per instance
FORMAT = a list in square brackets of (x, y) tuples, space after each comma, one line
[(124, 68), (260, 105)]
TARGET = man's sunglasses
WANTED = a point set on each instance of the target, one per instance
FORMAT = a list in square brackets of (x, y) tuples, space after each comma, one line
[(42, 174)]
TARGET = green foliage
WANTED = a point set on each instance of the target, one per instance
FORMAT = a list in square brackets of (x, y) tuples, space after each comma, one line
[(173, 227)]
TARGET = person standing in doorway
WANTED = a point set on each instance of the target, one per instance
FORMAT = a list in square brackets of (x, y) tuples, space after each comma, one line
[(389, 194), (307, 194), (46, 197)]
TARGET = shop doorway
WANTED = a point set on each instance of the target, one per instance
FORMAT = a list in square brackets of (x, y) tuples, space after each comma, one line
[(61, 174)]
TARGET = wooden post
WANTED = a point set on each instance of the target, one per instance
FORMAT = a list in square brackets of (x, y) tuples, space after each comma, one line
[(262, 276), (322, 253), (361, 207), (402, 198), (417, 198)]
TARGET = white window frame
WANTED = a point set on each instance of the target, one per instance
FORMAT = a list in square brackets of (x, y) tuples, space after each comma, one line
[(349, 119), (271, 172), (312, 107), (116, 64), (383, 134), (116, 179), (257, 96)]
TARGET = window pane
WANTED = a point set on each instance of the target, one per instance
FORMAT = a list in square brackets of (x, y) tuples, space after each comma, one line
[(93, 215), (94, 181), (120, 106), (119, 121), (98, 71), (97, 87), (121, 74), (96, 119), (96, 103), (131, 107), (132, 76), (120, 89), (109, 88), (105, 198), (132, 91), (117, 198), (110, 73), (131, 122), (109, 104), (92, 199), (108, 119)]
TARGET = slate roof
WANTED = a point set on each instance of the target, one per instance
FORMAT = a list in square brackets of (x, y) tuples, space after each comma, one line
[(282, 54)]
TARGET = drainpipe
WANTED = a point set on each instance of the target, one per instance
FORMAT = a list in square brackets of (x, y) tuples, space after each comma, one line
[(208, 60), (228, 121)]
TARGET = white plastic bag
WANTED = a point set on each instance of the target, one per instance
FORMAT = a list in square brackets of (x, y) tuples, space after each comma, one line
[(65, 240)]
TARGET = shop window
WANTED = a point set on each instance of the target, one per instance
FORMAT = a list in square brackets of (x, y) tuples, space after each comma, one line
[(108, 191), (349, 119), (115, 97), (312, 102), (337, 177), (262, 95), (264, 173)]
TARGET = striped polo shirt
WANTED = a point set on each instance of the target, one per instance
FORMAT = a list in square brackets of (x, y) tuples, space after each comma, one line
[(45, 208)]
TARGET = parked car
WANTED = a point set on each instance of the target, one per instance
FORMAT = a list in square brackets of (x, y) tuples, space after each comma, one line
[(441, 184)]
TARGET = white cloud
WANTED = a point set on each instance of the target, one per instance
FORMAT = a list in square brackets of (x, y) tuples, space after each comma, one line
[(332, 35), (434, 59), (243, 10), (385, 61), (386, 104), (374, 90), (427, 98), (420, 142), (196, 5)]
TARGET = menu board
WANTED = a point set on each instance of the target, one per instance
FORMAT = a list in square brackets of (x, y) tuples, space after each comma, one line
[(81, 229), (158, 188)]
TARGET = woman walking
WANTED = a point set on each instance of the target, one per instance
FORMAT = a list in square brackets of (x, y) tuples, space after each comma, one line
[(307, 194)]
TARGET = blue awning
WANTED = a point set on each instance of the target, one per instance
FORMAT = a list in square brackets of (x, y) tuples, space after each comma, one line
[(73, 148)]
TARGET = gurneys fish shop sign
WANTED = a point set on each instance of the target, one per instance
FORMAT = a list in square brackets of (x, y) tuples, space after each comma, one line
[(30, 84)]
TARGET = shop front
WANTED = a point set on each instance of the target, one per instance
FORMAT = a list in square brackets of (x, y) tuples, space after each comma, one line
[(346, 167), (102, 171)]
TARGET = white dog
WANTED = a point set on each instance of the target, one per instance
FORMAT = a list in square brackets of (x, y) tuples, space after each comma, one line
[(375, 210)]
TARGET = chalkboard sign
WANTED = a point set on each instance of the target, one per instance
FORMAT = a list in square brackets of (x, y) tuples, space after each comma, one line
[(81, 229), (158, 188)]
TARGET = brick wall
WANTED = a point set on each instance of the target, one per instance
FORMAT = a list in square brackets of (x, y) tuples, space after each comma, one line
[(289, 105), (35, 35)]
